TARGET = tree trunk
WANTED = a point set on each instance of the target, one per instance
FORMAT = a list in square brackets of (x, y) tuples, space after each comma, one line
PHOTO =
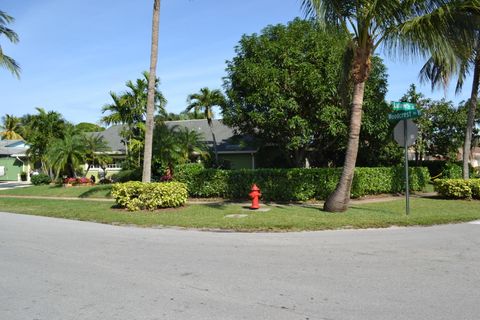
[(471, 117), (147, 158), (210, 124), (338, 200)]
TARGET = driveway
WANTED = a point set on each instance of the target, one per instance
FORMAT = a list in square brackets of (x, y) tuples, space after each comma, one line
[(13, 184), (60, 269)]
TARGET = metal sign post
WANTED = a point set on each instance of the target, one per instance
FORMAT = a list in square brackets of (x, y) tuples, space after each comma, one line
[(405, 133), (407, 189)]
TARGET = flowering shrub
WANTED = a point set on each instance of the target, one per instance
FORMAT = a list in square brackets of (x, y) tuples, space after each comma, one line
[(70, 180), (458, 188), (75, 181)]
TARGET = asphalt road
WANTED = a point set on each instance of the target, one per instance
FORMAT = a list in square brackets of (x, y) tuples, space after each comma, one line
[(59, 269)]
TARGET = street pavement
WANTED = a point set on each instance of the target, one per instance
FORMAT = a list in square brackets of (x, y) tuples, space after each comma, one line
[(61, 269)]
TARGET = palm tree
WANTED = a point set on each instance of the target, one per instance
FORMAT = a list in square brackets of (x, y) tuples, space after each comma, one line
[(11, 126), (192, 144), (68, 153), (438, 71), (402, 27), (205, 100), (95, 148), (43, 128), (150, 121), (5, 61)]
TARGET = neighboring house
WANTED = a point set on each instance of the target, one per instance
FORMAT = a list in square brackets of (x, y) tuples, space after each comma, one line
[(13, 160), (235, 151), (117, 151), (238, 152)]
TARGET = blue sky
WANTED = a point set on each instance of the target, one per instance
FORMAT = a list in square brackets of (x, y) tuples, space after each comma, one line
[(72, 53)]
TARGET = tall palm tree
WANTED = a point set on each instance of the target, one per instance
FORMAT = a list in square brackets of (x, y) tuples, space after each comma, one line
[(438, 71), (6, 61), (413, 27), (11, 126), (204, 101), (147, 156)]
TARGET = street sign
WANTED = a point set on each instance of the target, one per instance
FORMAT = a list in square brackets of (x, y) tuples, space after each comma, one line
[(403, 106), (399, 133), (410, 114)]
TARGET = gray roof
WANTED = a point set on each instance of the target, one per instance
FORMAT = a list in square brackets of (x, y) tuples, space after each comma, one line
[(113, 137), (7, 147), (227, 141)]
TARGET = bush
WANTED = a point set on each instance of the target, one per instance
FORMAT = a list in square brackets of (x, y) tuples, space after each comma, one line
[(452, 171), (294, 184), (40, 178), (128, 175), (458, 188), (137, 195)]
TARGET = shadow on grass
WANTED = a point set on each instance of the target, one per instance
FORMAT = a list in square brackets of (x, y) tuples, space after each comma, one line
[(95, 190)]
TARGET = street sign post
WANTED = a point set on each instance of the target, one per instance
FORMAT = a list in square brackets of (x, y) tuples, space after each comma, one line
[(405, 133)]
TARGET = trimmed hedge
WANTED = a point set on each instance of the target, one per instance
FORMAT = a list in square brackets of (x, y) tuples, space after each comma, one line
[(137, 195), (458, 188), (294, 184), (40, 179)]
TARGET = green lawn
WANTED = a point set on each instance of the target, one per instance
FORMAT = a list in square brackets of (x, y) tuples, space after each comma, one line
[(99, 191), (279, 218)]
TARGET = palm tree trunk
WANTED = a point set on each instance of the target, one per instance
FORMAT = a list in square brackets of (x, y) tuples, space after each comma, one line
[(147, 158), (338, 200), (210, 124), (471, 117)]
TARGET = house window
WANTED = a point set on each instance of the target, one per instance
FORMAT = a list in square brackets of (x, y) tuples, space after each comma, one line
[(116, 165)]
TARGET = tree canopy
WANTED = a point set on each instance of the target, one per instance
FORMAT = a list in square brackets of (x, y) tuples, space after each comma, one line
[(287, 86)]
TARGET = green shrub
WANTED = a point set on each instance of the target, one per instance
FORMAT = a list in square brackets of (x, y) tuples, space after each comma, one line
[(452, 171), (137, 195), (40, 178), (295, 184), (458, 188), (127, 175)]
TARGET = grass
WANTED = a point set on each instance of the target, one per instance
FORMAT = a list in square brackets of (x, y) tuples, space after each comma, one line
[(99, 191), (280, 218)]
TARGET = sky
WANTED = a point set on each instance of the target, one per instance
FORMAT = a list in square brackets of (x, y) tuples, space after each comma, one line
[(73, 53)]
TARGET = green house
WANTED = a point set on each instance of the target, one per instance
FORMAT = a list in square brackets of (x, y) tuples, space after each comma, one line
[(13, 160)]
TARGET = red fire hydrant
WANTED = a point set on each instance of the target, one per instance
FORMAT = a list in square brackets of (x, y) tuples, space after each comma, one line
[(255, 194)]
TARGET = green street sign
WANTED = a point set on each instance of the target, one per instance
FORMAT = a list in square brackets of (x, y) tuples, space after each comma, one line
[(403, 106), (410, 114)]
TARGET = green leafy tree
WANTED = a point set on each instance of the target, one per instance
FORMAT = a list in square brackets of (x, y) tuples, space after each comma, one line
[(286, 87), (150, 119), (414, 27), (204, 101), (67, 153), (5, 61), (11, 126), (441, 126), (89, 127)]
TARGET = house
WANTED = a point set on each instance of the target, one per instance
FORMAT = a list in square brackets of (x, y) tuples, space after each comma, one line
[(13, 160), (237, 152)]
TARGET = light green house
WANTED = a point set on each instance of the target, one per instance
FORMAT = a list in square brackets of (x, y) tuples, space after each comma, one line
[(13, 160)]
